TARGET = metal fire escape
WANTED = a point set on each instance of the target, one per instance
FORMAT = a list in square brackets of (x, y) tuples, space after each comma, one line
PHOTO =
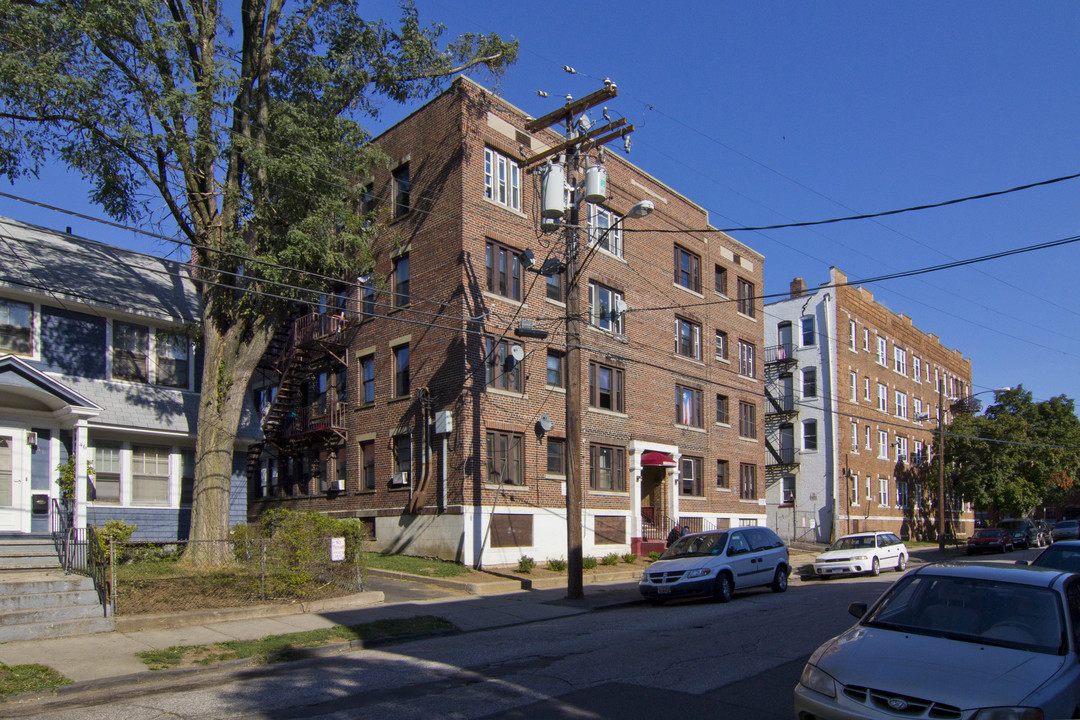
[(781, 412)]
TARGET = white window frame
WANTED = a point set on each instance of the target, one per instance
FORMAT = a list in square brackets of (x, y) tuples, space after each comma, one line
[(854, 489), (695, 338), (610, 321), (866, 339), (866, 388), (883, 444), (883, 492), (901, 405), (900, 360), (883, 397), (852, 341), (854, 387), (902, 449), (613, 226), (747, 361), (502, 180), (855, 437), (916, 368), (869, 439), (882, 351)]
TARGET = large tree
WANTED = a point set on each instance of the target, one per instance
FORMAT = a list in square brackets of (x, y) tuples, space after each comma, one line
[(242, 125), (1016, 456)]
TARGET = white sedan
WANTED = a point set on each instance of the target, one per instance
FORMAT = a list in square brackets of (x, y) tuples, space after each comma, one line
[(866, 552)]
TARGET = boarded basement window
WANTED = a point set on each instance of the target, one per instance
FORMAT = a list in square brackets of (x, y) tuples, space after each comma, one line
[(610, 530), (511, 530)]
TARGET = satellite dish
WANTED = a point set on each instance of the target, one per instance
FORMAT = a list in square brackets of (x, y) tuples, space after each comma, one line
[(620, 306), (545, 422), (517, 353)]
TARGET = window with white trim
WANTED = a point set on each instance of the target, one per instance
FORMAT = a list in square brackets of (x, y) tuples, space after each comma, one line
[(603, 308), (809, 435), (16, 327), (882, 397), (902, 449), (853, 490), (900, 360), (851, 336), (883, 492), (809, 331), (502, 179), (855, 437), (854, 386), (687, 338), (746, 359), (883, 444), (916, 368), (149, 475), (901, 405), (106, 478), (882, 349), (605, 231), (687, 269), (869, 439)]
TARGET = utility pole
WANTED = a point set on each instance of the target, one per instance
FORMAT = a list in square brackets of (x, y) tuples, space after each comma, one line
[(576, 143), (941, 465)]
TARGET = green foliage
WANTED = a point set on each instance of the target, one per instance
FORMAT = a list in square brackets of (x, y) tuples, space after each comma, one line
[(66, 477), (1018, 455), (629, 558), (610, 559), (556, 564), (588, 563), (116, 532), (654, 556), (526, 564), (430, 567)]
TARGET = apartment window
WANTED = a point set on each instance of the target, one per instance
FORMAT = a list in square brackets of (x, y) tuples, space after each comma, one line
[(106, 478), (401, 281), (555, 287), (883, 444), (687, 338), (604, 230), (367, 465), (866, 339), (901, 405), (747, 419), (368, 200), (809, 435), (556, 456), (367, 297), (16, 327), (882, 398), (746, 359), (607, 468), (149, 475), (851, 335), (504, 458), (747, 481), (503, 271), (882, 347), (901, 449), (903, 498), (502, 179), (919, 456), (788, 494), (900, 360), (866, 388), (916, 368), (401, 371), (854, 386), (809, 332), (605, 307), (690, 481), (720, 280), (869, 439), (869, 489), (722, 416), (883, 492), (403, 455), (605, 387), (746, 298), (687, 269), (171, 362), (503, 371), (722, 473), (918, 408), (855, 438), (853, 489), (555, 375), (688, 406), (130, 347), (721, 345), (809, 382), (402, 190), (187, 475), (367, 379)]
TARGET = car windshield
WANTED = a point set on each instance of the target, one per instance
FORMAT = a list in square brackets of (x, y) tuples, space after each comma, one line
[(1010, 615), (692, 545), (991, 532), (1064, 524), (853, 542), (1061, 557)]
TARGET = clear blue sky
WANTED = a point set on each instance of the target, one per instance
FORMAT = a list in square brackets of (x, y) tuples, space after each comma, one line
[(771, 112)]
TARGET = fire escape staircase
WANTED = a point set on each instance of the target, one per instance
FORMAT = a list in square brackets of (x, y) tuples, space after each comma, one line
[(780, 410)]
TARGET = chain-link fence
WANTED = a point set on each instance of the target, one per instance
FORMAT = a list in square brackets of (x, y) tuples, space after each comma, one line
[(198, 575)]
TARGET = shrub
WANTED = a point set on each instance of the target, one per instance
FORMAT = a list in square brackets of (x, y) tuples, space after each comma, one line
[(654, 556), (629, 558), (610, 559), (116, 531), (588, 563), (556, 564), (526, 564)]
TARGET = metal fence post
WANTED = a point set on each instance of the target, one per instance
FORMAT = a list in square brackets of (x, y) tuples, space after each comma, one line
[(112, 574), (262, 569)]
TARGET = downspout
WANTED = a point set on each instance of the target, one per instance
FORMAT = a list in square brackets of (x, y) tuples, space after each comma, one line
[(833, 419)]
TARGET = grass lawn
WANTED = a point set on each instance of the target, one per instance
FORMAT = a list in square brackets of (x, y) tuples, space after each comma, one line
[(19, 679), (428, 567), (285, 648)]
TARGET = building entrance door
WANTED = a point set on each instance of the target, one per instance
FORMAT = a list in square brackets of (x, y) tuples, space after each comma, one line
[(14, 485)]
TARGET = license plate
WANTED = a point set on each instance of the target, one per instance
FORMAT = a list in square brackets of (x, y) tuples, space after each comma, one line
[(663, 590)]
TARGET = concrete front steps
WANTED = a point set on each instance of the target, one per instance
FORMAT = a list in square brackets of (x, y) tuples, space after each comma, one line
[(38, 600)]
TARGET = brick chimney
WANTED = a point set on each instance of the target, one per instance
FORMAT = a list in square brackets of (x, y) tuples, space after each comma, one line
[(798, 288)]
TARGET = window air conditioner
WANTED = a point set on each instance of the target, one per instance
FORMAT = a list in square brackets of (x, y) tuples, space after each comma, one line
[(400, 478), (337, 486)]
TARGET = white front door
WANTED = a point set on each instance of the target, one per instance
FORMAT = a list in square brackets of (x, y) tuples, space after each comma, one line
[(14, 482)]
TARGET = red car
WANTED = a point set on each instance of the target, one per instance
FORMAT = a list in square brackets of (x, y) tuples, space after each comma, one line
[(990, 540)]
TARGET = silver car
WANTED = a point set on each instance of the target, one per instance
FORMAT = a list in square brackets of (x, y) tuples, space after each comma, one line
[(970, 642)]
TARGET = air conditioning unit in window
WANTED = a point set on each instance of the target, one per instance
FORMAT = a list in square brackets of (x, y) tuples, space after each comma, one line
[(400, 478), (337, 486)]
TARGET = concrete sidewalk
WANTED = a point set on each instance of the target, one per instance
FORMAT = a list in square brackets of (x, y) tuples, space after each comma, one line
[(98, 662)]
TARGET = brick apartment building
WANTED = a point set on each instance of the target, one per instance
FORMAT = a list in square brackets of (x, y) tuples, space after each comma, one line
[(851, 409), (415, 402)]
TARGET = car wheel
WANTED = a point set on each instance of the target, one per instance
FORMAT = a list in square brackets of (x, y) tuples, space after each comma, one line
[(779, 581), (901, 562), (875, 567), (722, 591)]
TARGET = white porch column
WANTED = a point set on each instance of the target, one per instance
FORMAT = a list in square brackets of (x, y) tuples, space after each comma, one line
[(82, 455), (635, 493), (673, 476)]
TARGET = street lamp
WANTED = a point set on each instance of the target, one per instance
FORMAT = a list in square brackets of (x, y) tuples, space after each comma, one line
[(941, 452), (575, 587)]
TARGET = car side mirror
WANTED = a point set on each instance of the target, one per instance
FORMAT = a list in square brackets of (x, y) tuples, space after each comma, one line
[(1022, 562), (858, 609)]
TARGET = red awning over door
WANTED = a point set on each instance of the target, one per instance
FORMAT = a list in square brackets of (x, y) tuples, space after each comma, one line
[(657, 459)]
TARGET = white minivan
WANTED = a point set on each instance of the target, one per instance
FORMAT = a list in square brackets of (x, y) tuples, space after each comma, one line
[(717, 563)]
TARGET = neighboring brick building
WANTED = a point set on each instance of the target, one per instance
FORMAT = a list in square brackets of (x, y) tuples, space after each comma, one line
[(851, 410), (672, 386)]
